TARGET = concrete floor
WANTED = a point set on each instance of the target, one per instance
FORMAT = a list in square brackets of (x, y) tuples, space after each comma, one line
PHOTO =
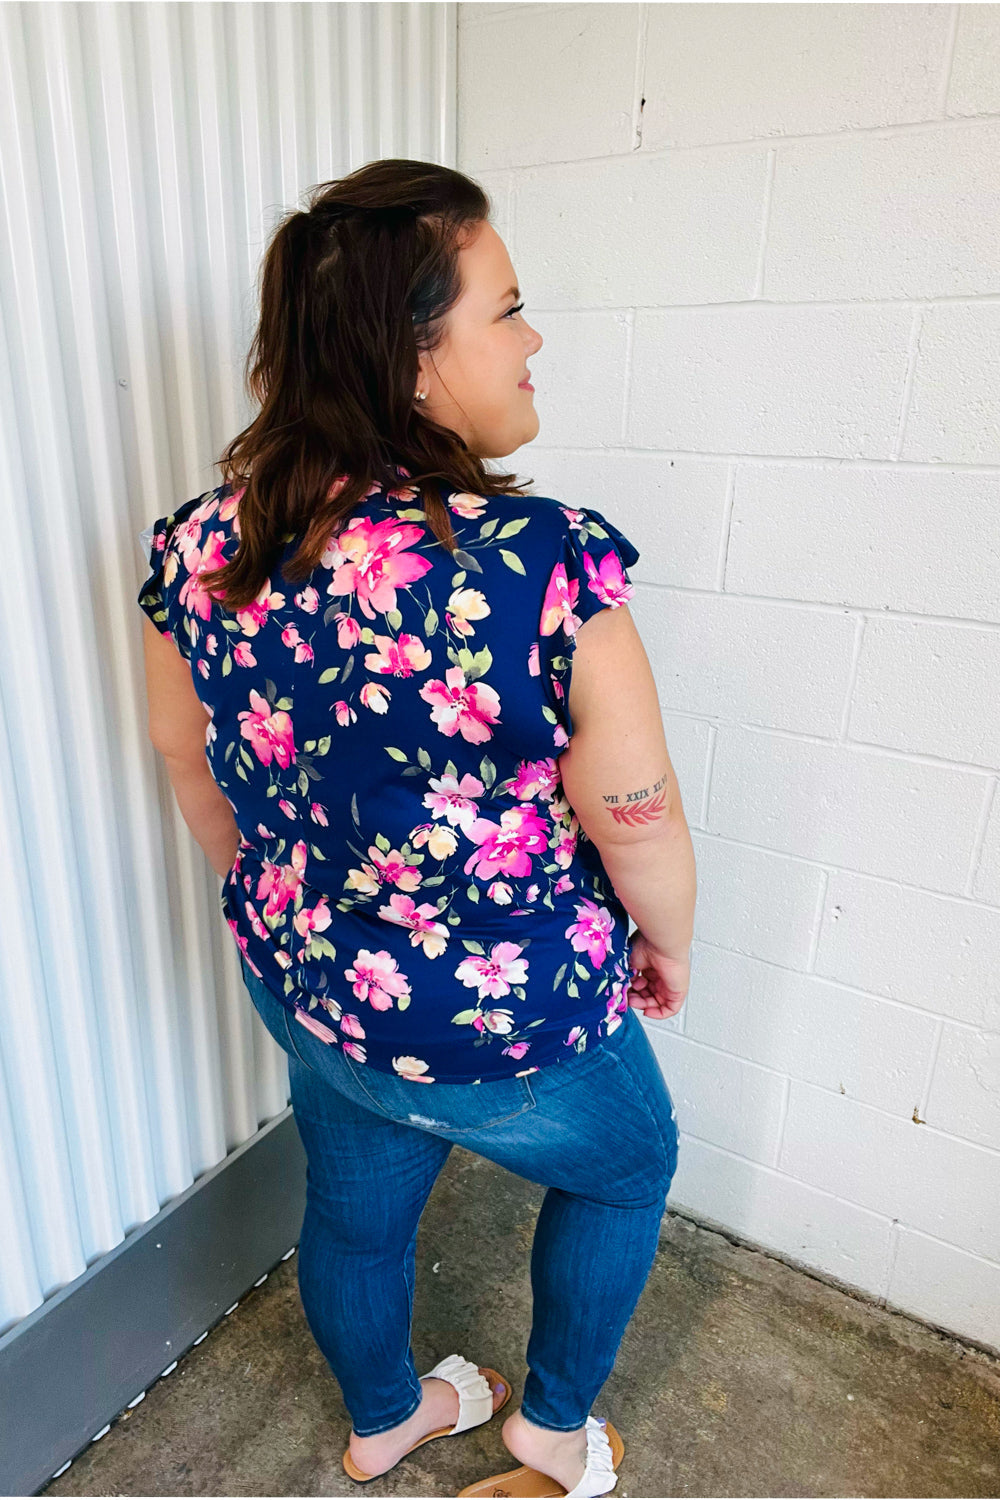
[(737, 1376)]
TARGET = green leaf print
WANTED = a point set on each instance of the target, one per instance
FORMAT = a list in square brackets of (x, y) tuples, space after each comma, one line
[(396, 754), (571, 989), (430, 622), (512, 528), (456, 582), (330, 675), (242, 774), (229, 750), (270, 690), (393, 618), (487, 771), (309, 745), (559, 975), (272, 790), (402, 1002), (488, 528), (472, 893), (227, 664), (302, 783), (348, 664), (512, 560), (473, 946), (231, 625), (382, 843), (354, 811), (424, 759), (578, 968), (246, 758), (466, 560), (464, 1017), (324, 745), (285, 704)]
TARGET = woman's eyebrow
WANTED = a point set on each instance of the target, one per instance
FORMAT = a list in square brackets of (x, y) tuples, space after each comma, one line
[(514, 292)]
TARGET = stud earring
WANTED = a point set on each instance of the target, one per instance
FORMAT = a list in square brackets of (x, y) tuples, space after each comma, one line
[(421, 395)]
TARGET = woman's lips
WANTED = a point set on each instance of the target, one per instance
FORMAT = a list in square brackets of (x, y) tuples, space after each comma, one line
[(525, 385)]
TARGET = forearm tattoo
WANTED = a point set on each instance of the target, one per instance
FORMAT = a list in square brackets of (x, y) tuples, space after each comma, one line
[(644, 805)]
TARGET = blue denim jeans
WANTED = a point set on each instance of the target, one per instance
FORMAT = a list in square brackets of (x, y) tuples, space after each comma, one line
[(598, 1131)]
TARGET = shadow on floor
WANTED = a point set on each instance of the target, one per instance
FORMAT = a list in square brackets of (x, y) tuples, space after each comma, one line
[(737, 1376)]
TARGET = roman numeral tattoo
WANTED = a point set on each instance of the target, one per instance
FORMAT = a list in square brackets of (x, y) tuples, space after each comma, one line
[(644, 805)]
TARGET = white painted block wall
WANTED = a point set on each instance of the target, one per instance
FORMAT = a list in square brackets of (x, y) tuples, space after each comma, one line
[(761, 244)]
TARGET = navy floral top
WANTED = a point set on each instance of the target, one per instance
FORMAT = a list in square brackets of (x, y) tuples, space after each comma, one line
[(411, 881)]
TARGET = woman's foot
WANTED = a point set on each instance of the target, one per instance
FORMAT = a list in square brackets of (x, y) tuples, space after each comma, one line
[(560, 1455), (438, 1408)]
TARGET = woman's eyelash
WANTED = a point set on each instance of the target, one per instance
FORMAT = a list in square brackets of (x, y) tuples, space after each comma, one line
[(514, 310)]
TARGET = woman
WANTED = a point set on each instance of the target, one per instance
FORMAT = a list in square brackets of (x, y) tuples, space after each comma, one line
[(434, 779)]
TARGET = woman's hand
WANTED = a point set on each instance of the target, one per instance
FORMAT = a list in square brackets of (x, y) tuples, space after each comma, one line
[(659, 984)]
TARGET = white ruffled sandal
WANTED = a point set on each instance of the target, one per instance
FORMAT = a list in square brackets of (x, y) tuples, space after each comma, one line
[(605, 1451), (599, 1476), (481, 1394)]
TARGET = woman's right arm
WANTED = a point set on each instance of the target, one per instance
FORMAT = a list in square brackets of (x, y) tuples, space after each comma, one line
[(617, 775)]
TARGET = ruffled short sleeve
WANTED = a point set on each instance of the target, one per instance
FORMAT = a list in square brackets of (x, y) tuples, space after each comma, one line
[(156, 598), (590, 573)]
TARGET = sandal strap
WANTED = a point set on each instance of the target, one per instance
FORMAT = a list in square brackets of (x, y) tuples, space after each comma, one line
[(475, 1397), (599, 1476)]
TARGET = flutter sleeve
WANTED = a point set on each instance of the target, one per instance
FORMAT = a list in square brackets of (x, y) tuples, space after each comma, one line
[(158, 596), (590, 573)]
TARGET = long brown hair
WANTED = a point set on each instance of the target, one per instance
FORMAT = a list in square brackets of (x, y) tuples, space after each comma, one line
[(351, 289)]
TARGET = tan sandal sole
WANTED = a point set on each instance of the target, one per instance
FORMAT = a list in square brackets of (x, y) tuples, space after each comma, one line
[(499, 1400), (531, 1484)]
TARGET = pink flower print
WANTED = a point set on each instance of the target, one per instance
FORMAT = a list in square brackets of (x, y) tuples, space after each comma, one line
[(348, 630), (355, 1050), (501, 1022), (575, 1035), (365, 880), (500, 892), (255, 614), (202, 666), (344, 712), (464, 606), (255, 922), (576, 518), (289, 809), (531, 894), (318, 814), (269, 732), (211, 644), (290, 637), (230, 505), (393, 868), (608, 581), (506, 847), (452, 799), (493, 976), (243, 655), (562, 884), (205, 510), (533, 666), (467, 505), (414, 1069), (310, 919), (376, 697), (192, 596), (307, 600), (591, 932), (316, 1027), (463, 707), (280, 883), (559, 737), (351, 1023), (536, 778), (371, 560), (559, 602), (265, 833), (564, 851), (402, 657), (516, 1050), (375, 978), (424, 930)]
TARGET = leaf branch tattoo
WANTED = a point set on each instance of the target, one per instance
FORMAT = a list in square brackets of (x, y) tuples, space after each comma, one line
[(644, 805)]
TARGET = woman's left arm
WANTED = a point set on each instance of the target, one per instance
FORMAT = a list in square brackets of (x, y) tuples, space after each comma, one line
[(177, 724)]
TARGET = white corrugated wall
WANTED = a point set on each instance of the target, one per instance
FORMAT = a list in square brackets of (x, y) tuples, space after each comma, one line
[(146, 151)]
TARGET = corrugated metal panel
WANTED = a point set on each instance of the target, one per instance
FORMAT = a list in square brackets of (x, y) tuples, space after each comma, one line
[(146, 150)]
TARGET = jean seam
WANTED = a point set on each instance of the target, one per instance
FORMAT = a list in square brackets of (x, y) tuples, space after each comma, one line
[(526, 1411)]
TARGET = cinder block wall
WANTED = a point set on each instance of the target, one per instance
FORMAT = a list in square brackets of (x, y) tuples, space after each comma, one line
[(761, 244)]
